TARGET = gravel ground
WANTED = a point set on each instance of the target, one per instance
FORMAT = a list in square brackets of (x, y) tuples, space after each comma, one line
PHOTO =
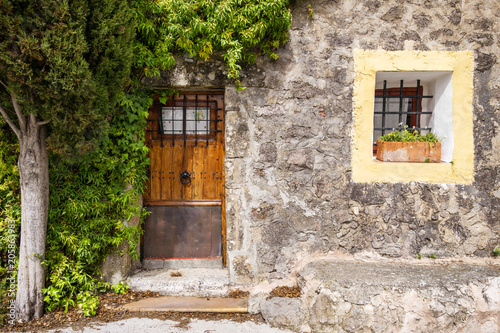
[(133, 325)]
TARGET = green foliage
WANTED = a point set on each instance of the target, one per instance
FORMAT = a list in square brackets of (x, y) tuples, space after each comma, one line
[(495, 252), (239, 29), (4, 299), (88, 302), (310, 12), (431, 256), (120, 288), (89, 202), (10, 213), (405, 135), (66, 62)]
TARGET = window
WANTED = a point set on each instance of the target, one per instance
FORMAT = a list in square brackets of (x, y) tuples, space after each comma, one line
[(428, 90), (420, 100), (189, 119), (395, 106), (400, 107)]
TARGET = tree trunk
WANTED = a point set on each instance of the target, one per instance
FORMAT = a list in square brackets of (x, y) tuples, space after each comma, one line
[(33, 168)]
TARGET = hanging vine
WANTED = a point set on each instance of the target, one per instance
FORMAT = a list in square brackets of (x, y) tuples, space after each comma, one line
[(239, 30)]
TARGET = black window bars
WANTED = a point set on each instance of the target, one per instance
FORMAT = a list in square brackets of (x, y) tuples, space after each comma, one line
[(185, 120), (410, 117)]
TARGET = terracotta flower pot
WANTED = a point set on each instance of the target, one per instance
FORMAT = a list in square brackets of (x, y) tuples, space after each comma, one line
[(409, 151)]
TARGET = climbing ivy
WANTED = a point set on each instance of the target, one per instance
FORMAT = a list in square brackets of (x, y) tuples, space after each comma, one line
[(90, 204), (238, 29)]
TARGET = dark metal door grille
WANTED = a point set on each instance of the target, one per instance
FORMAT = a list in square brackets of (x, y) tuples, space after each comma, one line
[(186, 120)]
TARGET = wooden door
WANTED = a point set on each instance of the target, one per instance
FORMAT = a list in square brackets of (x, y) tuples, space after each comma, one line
[(185, 193)]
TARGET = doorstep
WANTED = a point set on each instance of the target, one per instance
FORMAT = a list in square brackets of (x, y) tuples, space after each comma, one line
[(190, 304), (182, 263), (206, 282)]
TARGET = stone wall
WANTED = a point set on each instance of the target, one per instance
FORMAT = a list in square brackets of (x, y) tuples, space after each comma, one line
[(289, 192), (358, 296)]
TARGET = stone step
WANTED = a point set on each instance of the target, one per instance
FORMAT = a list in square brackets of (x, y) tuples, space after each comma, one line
[(190, 304), (391, 296), (182, 263), (207, 282)]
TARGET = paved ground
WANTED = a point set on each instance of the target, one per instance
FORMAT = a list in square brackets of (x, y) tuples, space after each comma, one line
[(147, 325)]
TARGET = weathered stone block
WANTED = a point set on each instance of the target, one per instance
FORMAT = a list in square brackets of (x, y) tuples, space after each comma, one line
[(237, 137), (268, 152), (283, 312), (352, 296)]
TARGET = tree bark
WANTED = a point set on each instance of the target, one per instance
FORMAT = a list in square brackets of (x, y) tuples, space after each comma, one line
[(33, 165)]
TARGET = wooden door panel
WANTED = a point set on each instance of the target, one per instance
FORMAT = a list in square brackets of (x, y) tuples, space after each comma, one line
[(177, 156), (167, 173), (198, 158), (201, 157), (209, 179), (155, 179)]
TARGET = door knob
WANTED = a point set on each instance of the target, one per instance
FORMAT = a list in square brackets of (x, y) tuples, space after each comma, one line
[(185, 178)]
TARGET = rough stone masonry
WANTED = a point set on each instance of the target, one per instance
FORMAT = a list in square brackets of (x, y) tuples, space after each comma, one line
[(289, 193)]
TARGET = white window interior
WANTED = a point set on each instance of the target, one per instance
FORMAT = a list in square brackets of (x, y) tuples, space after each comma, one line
[(436, 84)]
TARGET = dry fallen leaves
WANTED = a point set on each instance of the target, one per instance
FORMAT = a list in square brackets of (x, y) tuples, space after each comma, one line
[(110, 310), (285, 292)]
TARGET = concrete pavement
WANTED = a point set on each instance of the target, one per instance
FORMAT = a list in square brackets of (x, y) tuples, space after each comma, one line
[(147, 325)]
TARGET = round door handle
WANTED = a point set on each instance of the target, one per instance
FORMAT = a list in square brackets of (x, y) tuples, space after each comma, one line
[(185, 178)]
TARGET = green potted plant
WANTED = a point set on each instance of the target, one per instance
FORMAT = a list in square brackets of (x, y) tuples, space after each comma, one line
[(409, 146)]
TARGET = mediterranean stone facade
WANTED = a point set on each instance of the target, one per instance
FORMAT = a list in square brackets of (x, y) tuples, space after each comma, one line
[(290, 194)]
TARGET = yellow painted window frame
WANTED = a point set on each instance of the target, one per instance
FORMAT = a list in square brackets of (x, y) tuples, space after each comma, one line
[(366, 64)]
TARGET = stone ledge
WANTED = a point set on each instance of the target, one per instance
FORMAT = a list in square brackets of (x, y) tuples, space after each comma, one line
[(354, 296), (400, 275)]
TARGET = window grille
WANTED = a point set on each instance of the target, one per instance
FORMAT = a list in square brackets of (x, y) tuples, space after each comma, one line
[(400, 106), (185, 120)]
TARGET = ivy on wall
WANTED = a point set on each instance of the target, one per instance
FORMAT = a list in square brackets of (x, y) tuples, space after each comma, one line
[(239, 29), (89, 203)]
